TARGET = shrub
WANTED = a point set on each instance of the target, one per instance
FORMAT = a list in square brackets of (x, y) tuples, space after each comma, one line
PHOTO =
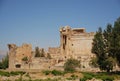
[(21, 72), (72, 77), (108, 78), (2, 73), (87, 76), (4, 63), (25, 58), (103, 76), (71, 65), (83, 79), (12, 73), (56, 72), (46, 72)]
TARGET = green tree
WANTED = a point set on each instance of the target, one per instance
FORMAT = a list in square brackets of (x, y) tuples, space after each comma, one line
[(108, 39), (25, 58), (106, 46), (1, 65), (71, 65), (110, 61), (101, 48), (5, 62), (98, 48), (115, 45), (98, 44), (37, 52), (42, 53)]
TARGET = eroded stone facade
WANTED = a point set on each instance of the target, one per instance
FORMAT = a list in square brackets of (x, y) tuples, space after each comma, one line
[(74, 43), (16, 54)]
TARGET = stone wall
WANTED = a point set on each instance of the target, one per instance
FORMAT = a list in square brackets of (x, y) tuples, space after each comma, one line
[(74, 43), (54, 52), (17, 53)]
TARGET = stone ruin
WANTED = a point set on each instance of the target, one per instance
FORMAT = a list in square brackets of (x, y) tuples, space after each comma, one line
[(77, 43), (74, 43), (16, 54)]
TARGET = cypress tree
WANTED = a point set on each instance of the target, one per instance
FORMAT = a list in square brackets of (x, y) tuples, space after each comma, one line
[(106, 46), (101, 48), (37, 52), (116, 40), (98, 48)]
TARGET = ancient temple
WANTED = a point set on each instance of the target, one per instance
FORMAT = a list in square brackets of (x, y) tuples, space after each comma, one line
[(74, 43)]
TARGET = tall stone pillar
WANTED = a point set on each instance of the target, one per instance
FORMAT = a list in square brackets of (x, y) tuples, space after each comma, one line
[(12, 48)]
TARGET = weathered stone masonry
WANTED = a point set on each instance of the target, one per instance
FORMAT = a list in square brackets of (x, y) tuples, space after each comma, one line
[(74, 43), (17, 53)]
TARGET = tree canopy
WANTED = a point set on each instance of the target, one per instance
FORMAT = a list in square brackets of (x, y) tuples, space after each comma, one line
[(4, 63), (39, 53), (106, 46)]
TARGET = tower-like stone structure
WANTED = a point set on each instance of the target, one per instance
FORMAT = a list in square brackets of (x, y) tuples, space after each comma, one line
[(12, 48), (16, 54), (76, 43)]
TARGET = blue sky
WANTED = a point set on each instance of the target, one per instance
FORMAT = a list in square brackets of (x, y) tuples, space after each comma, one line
[(38, 21)]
